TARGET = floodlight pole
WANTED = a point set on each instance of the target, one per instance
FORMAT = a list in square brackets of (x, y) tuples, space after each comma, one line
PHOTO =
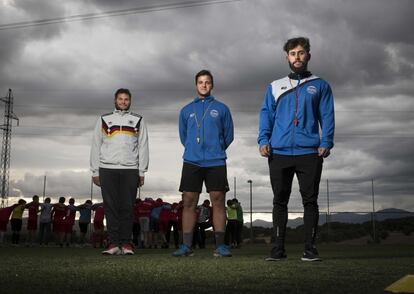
[(44, 187), (234, 190)]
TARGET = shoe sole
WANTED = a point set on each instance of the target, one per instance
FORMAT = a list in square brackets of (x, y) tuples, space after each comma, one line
[(115, 253), (128, 253), (106, 253), (219, 255), (311, 259), (275, 259), (184, 255)]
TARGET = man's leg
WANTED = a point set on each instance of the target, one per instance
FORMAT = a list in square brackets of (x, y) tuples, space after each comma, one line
[(219, 213), (41, 232), (190, 200), (191, 184), (308, 171), (48, 230), (127, 194), (110, 186), (217, 186), (281, 175)]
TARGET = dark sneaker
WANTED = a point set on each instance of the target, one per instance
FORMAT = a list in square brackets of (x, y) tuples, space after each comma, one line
[(183, 251), (311, 254), (277, 254)]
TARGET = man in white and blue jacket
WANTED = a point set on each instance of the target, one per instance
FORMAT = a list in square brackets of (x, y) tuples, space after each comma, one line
[(296, 132), (206, 131)]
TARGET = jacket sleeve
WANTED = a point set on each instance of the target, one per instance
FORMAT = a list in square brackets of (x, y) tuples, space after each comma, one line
[(266, 118), (228, 128), (327, 117), (96, 147), (182, 127), (143, 150)]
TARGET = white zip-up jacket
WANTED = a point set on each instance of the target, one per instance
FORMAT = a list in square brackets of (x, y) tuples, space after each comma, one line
[(120, 141)]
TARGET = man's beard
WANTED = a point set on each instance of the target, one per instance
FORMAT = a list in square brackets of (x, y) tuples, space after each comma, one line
[(118, 108), (301, 69)]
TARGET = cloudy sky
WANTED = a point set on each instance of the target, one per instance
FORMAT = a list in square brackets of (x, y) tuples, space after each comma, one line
[(63, 76)]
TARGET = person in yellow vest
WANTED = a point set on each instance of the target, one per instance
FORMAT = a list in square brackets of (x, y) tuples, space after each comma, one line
[(17, 220), (231, 228)]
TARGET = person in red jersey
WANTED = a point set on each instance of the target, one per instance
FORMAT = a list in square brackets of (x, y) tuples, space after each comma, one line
[(59, 211), (98, 225), (4, 220), (163, 223), (136, 229), (33, 208), (173, 223), (70, 221), (179, 209)]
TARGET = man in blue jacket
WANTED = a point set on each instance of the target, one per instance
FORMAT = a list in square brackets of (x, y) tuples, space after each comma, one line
[(296, 132), (206, 131)]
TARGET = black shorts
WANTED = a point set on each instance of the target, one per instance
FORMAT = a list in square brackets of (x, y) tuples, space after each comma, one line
[(83, 227), (16, 224), (193, 176)]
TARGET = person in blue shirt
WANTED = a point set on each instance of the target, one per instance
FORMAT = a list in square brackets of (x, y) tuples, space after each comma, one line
[(206, 131), (85, 212), (296, 131)]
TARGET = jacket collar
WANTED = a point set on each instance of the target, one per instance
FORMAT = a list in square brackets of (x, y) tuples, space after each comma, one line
[(208, 99), (121, 112), (299, 76)]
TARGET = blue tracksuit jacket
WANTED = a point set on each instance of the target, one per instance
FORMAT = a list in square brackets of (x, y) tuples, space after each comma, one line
[(297, 116), (215, 134)]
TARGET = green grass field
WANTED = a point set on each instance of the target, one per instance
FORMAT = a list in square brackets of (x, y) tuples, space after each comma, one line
[(345, 269)]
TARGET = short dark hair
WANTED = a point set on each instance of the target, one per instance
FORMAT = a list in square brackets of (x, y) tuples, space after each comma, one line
[(123, 91), (294, 42), (204, 72), (62, 199)]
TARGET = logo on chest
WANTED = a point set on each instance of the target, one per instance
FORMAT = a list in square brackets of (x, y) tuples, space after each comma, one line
[(214, 113), (312, 90)]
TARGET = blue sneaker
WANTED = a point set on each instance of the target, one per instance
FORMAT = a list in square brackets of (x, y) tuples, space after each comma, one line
[(182, 251), (222, 251)]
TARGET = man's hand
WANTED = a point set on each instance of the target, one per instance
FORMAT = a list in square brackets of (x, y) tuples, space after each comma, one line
[(264, 150), (141, 181), (324, 152), (96, 181)]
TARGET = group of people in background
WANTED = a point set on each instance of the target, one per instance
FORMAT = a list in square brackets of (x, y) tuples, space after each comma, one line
[(154, 222), (46, 218)]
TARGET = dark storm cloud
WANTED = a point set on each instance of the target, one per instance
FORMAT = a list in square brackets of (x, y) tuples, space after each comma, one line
[(15, 39)]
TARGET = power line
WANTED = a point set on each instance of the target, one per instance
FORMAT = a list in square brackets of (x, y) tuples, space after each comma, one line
[(233, 109), (111, 13)]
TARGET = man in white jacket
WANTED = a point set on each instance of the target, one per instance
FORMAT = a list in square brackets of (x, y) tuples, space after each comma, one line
[(119, 159)]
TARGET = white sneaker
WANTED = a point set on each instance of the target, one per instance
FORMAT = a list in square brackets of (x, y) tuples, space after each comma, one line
[(112, 250)]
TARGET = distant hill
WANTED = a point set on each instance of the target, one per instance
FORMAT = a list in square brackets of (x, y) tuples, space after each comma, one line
[(348, 217)]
